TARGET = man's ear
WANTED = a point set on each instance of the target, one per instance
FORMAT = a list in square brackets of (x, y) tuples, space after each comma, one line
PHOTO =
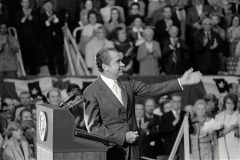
[(105, 67)]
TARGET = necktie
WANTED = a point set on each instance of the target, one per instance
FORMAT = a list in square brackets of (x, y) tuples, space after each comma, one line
[(139, 123), (117, 91)]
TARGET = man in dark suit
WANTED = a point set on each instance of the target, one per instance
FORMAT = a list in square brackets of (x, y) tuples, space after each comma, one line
[(208, 47), (171, 123), (52, 38), (175, 53), (110, 100), (162, 26)]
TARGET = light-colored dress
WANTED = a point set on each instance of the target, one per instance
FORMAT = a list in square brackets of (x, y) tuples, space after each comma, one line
[(91, 50), (148, 55), (201, 142), (88, 33), (228, 145)]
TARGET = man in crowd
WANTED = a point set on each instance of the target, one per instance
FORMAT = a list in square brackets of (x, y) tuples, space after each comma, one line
[(109, 109), (52, 38), (171, 123), (54, 97)]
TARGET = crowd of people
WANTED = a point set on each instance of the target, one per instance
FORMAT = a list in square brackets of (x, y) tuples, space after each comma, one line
[(155, 37), (158, 120)]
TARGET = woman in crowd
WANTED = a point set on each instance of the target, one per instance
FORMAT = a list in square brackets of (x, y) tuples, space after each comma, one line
[(228, 136), (16, 147), (98, 42), (233, 34), (89, 30), (115, 21), (122, 44), (201, 142), (148, 54), (84, 12), (212, 105)]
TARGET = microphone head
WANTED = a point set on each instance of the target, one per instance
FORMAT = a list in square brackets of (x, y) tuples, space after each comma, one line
[(66, 100)]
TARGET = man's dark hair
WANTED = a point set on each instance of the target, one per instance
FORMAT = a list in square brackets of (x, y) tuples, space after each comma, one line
[(102, 57), (46, 1), (167, 6), (135, 4), (233, 98), (73, 86)]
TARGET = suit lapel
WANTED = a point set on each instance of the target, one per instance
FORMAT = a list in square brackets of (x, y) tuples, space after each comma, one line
[(106, 91), (18, 149), (124, 94)]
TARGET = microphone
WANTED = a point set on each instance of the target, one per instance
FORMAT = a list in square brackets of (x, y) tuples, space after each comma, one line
[(66, 100)]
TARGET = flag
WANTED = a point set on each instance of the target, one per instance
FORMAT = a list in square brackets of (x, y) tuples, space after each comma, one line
[(82, 82), (218, 84), (36, 87)]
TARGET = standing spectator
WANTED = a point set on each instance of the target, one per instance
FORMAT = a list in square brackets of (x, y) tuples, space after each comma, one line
[(208, 45), (215, 27), (175, 53), (228, 141), (54, 97), (162, 26), (9, 46), (157, 15), (10, 106), (122, 44), (233, 34), (52, 38), (115, 21), (84, 12), (98, 42), (233, 88), (201, 142), (148, 54), (136, 30), (227, 14), (3, 12), (25, 99), (151, 140), (106, 11), (212, 105), (26, 24), (171, 123), (13, 147), (195, 15), (134, 10), (89, 30)]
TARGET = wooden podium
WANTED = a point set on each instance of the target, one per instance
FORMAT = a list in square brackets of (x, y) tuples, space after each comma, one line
[(56, 138)]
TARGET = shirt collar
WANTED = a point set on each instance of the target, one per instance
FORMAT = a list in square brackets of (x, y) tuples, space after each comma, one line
[(109, 82)]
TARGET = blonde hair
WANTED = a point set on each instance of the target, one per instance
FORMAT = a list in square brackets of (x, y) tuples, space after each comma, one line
[(12, 126)]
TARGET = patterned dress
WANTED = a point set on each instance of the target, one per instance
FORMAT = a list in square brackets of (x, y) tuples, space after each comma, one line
[(201, 142)]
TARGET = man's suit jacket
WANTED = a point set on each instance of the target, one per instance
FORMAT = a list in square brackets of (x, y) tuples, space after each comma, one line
[(14, 152), (169, 131), (192, 15), (182, 57), (162, 33), (107, 117), (51, 35), (206, 57)]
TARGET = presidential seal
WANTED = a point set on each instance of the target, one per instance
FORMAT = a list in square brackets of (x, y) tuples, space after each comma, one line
[(43, 126)]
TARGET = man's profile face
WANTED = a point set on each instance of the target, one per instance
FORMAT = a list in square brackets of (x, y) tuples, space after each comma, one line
[(115, 67), (54, 98)]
